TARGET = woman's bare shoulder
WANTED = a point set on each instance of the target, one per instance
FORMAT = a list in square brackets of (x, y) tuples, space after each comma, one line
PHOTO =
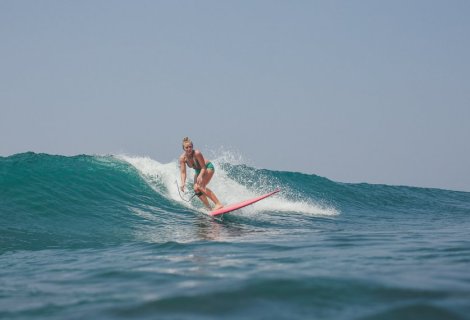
[(198, 155)]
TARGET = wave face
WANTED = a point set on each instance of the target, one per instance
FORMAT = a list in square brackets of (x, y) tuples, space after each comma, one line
[(74, 230)]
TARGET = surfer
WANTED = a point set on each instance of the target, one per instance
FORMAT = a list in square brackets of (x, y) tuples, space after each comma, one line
[(203, 173)]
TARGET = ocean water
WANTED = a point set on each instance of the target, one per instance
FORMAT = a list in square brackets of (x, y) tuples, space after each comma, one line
[(109, 237)]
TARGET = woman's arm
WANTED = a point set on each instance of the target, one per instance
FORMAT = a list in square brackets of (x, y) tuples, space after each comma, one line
[(202, 162), (182, 173)]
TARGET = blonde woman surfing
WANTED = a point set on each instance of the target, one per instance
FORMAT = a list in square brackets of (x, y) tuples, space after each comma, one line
[(204, 170)]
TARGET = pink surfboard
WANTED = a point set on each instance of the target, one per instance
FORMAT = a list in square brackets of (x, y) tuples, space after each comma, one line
[(242, 204)]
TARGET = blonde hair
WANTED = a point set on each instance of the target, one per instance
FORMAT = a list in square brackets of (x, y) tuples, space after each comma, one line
[(187, 140)]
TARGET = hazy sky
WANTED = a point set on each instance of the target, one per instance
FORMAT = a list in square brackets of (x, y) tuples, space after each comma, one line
[(355, 91)]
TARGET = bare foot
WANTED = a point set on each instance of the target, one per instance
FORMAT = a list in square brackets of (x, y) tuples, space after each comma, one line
[(219, 206)]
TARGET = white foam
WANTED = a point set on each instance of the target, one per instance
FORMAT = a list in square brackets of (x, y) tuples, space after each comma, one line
[(162, 178)]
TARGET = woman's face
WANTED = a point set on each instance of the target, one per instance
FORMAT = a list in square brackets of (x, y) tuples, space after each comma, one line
[(188, 148)]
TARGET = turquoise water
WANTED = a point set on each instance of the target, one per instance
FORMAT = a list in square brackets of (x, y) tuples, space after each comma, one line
[(108, 237)]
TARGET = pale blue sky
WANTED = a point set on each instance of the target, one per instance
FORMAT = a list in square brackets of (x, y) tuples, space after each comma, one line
[(355, 91)]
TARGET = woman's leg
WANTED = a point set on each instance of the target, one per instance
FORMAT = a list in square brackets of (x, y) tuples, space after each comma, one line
[(200, 194), (208, 192)]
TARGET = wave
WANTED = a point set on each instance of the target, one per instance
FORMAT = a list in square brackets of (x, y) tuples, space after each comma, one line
[(52, 201), (232, 183)]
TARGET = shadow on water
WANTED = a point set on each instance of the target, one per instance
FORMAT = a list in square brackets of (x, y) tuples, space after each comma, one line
[(219, 229)]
